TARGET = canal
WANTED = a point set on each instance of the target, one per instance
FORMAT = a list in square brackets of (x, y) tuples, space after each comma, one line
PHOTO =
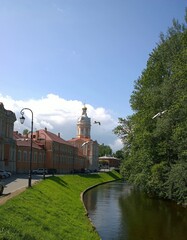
[(119, 212)]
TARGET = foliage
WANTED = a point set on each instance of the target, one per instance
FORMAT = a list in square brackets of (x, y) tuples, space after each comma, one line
[(155, 136), (51, 209), (104, 150), (25, 131), (119, 154)]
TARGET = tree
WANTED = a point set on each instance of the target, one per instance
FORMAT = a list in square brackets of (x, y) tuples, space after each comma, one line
[(119, 154), (155, 149), (25, 132), (104, 150)]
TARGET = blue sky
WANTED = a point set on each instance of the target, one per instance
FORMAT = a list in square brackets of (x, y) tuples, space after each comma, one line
[(71, 52)]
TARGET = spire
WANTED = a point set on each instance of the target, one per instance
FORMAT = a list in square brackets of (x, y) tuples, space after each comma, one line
[(83, 124), (84, 109)]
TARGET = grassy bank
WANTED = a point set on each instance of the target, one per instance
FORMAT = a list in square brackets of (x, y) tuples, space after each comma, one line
[(51, 210)]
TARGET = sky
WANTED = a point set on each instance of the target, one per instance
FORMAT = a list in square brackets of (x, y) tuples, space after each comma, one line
[(57, 55)]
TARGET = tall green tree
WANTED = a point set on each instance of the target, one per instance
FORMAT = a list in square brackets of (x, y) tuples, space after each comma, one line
[(104, 150), (156, 146), (119, 154)]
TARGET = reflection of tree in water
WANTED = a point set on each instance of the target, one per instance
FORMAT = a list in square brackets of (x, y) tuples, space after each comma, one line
[(90, 200), (94, 195), (152, 219)]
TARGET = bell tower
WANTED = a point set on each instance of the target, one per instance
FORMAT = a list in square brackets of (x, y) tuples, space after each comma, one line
[(83, 125)]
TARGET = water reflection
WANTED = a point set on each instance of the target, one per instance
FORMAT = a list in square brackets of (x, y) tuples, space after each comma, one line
[(122, 213)]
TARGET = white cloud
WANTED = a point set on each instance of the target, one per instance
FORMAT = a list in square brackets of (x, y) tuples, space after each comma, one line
[(60, 116), (116, 145)]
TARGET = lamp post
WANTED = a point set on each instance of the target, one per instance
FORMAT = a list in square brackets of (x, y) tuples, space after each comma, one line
[(45, 153), (22, 119)]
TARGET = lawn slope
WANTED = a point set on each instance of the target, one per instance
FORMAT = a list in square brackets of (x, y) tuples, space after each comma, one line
[(51, 210)]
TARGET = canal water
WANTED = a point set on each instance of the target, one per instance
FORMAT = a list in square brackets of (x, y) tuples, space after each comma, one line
[(119, 212)]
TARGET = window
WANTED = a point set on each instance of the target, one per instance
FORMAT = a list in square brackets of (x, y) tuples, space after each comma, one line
[(19, 155), (25, 156), (35, 156), (40, 157)]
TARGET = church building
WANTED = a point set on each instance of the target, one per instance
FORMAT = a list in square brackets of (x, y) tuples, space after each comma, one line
[(83, 141)]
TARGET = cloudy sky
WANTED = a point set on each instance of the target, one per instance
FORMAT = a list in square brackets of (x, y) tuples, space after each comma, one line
[(56, 55)]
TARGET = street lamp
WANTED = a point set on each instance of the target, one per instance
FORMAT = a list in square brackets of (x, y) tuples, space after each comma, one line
[(45, 152), (22, 119)]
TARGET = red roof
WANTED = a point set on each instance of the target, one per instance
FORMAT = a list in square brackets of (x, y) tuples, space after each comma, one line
[(27, 143), (53, 137), (79, 140), (17, 135), (23, 141)]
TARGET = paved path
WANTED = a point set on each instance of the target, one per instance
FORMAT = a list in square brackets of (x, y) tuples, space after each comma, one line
[(15, 185), (18, 181)]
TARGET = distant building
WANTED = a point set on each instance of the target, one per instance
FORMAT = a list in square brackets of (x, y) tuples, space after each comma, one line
[(7, 143), (60, 154), (49, 150), (109, 162), (83, 141), (23, 143)]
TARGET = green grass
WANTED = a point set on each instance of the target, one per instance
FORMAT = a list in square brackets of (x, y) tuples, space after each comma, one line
[(51, 210)]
